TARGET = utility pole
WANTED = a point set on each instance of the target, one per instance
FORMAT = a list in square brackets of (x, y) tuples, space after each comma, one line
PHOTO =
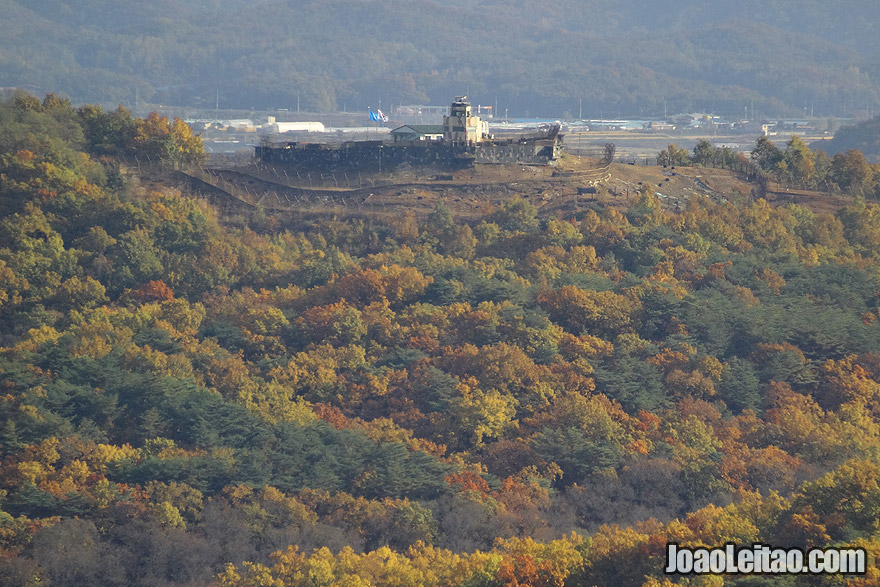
[(580, 108), (297, 102)]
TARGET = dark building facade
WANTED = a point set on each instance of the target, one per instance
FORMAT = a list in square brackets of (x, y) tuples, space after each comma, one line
[(459, 148)]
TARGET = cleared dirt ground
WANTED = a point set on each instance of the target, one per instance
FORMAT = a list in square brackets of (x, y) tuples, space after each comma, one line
[(569, 186)]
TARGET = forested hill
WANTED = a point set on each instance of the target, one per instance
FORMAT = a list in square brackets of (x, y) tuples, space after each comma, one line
[(533, 57), (190, 398), (864, 137)]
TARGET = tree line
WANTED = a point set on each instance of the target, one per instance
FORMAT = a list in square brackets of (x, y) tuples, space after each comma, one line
[(796, 165)]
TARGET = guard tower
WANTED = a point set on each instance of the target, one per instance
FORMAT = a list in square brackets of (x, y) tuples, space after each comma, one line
[(461, 126)]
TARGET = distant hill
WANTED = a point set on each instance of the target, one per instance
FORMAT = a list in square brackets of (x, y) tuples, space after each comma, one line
[(532, 57), (864, 137)]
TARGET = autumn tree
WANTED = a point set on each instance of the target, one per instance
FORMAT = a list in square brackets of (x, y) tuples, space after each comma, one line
[(673, 156)]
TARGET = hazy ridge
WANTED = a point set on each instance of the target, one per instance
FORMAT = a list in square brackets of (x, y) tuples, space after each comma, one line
[(777, 57)]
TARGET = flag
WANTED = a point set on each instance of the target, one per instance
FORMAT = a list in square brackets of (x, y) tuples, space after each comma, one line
[(378, 116)]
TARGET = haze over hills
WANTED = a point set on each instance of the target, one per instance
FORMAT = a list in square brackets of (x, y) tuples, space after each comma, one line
[(864, 137), (777, 57)]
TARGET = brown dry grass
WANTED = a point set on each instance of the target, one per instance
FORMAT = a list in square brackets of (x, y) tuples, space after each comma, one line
[(474, 192)]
